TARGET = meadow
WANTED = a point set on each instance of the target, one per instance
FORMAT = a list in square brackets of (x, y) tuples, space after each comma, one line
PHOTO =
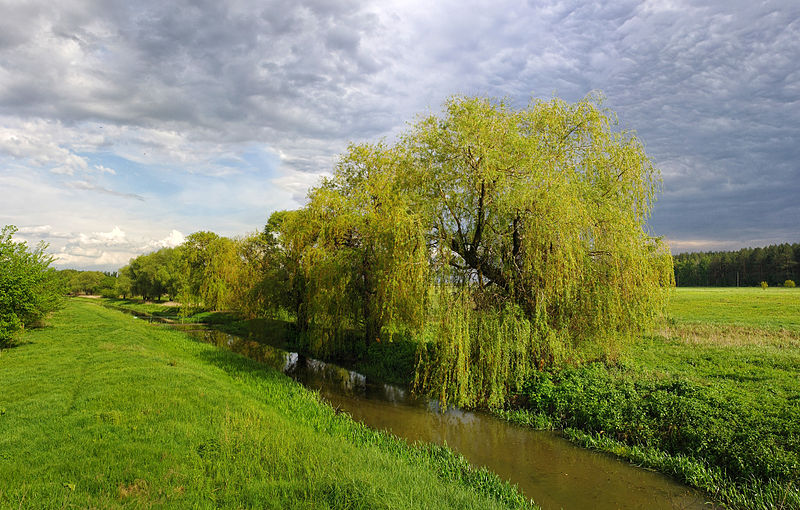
[(772, 309), (712, 398), (99, 410)]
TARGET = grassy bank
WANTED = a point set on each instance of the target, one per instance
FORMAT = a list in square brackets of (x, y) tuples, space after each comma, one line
[(713, 399), (387, 362), (773, 308), (100, 410)]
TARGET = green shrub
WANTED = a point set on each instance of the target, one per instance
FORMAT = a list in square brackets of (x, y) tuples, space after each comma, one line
[(109, 293), (764, 285), (29, 287), (673, 415), (789, 284)]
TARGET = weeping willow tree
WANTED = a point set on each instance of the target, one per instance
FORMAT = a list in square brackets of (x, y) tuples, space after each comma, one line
[(362, 253), (538, 223), (209, 267), (508, 240)]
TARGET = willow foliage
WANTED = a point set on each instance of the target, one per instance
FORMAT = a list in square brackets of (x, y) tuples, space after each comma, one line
[(362, 253), (511, 240), (211, 270)]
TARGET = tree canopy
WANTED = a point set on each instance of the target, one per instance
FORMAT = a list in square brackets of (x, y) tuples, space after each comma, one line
[(509, 239)]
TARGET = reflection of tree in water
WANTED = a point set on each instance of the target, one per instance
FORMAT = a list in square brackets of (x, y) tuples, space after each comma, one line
[(340, 377), (393, 393), (275, 358), (291, 361)]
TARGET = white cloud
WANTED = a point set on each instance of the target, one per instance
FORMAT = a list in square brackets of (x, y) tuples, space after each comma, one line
[(147, 114), (102, 169), (35, 144), (109, 250), (115, 237), (35, 230), (172, 240)]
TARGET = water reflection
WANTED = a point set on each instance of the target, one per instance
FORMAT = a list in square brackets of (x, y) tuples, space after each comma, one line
[(547, 468)]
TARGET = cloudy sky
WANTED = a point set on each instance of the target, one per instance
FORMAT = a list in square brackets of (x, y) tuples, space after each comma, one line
[(126, 125)]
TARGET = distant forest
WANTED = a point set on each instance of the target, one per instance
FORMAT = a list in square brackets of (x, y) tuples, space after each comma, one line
[(747, 267)]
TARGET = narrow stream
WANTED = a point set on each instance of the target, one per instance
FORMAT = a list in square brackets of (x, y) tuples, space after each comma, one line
[(547, 468)]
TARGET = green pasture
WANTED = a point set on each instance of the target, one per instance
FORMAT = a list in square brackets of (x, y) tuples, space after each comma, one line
[(99, 410), (774, 308)]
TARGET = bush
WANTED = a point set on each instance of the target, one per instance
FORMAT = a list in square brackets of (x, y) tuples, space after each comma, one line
[(789, 284), (29, 287), (109, 293), (673, 415), (764, 285)]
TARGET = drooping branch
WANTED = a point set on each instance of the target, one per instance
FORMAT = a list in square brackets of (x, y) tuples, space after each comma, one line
[(516, 248)]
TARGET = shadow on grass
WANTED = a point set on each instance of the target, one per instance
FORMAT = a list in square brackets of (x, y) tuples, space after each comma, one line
[(13, 344), (238, 365)]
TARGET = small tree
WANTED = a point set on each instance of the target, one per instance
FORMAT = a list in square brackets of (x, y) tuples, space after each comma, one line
[(124, 285), (764, 285), (29, 287), (789, 284)]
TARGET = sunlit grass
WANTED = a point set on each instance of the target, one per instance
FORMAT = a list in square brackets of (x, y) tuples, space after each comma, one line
[(774, 308), (724, 335), (101, 410)]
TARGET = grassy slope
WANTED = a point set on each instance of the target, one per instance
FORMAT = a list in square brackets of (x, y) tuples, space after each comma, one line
[(101, 410)]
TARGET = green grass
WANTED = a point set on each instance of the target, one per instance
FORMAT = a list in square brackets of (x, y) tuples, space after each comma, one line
[(712, 399), (774, 308), (100, 410)]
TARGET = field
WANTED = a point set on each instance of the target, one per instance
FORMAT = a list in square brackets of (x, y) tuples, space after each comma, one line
[(712, 399), (99, 410), (772, 309)]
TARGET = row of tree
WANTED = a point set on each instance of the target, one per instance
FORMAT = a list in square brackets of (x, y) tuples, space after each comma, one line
[(208, 271), (774, 264), (88, 282), (503, 240)]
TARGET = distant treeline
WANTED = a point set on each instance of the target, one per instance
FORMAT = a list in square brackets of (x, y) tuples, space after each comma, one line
[(747, 267), (76, 282)]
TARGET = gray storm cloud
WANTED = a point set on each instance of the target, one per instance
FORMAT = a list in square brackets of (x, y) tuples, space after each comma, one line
[(189, 87)]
